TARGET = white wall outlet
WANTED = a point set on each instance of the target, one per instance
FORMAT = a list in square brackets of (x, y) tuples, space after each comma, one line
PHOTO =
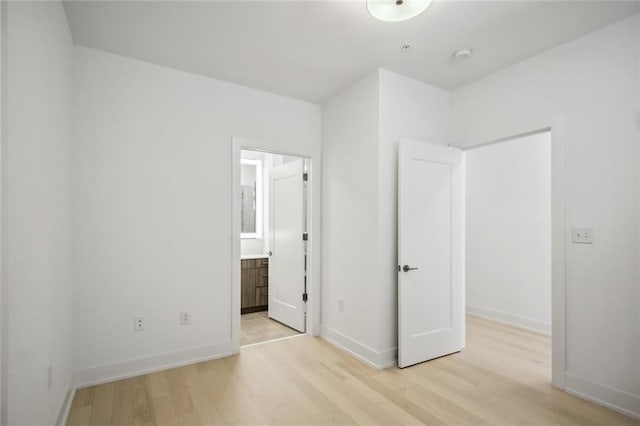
[(50, 376), (340, 305), (582, 235), (185, 318), (138, 324)]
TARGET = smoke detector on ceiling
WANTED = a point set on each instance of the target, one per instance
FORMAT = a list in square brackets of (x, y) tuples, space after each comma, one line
[(463, 54)]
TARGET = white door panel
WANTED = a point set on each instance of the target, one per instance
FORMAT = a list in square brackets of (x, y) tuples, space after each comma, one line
[(430, 239), (286, 226)]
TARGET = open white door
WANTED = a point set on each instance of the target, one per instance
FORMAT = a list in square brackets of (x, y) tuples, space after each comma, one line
[(430, 252), (286, 228)]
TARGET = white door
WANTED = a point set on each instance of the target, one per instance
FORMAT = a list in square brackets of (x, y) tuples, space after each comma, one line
[(430, 252), (287, 262)]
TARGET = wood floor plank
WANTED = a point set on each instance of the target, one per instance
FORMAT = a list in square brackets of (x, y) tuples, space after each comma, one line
[(123, 402), (164, 412), (502, 377), (79, 416), (143, 413), (102, 406), (84, 397), (158, 384)]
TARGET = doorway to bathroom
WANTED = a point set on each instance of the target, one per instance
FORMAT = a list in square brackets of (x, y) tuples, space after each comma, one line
[(274, 196)]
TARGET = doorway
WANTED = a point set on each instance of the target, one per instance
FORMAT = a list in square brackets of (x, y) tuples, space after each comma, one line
[(274, 197), (508, 232), (555, 131), (556, 229)]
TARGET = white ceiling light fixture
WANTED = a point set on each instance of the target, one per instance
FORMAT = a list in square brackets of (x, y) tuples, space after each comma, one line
[(396, 10), (463, 54)]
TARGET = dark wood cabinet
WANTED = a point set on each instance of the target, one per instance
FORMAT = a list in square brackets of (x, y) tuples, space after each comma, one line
[(255, 285)]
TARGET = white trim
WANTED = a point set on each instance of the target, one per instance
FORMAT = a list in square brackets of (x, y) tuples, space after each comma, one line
[(507, 139), (518, 321), (279, 339), (559, 235), (63, 417), (366, 354), (150, 364), (614, 399), (313, 226), (236, 229), (4, 314)]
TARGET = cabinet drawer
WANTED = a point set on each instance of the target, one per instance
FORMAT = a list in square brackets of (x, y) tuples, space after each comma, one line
[(262, 276), (254, 263), (262, 296)]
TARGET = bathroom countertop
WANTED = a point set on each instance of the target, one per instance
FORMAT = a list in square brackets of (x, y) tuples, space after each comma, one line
[(254, 256)]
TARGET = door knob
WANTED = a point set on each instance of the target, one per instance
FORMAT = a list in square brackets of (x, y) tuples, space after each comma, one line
[(406, 268)]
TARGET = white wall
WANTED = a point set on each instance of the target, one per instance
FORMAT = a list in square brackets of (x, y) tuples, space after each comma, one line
[(508, 231), (593, 83), (153, 207), (361, 130), (350, 218), (37, 211)]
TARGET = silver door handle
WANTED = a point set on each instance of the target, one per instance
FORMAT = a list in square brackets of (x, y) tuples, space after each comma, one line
[(406, 268)]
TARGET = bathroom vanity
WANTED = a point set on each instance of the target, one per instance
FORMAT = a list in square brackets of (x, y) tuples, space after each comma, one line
[(254, 284)]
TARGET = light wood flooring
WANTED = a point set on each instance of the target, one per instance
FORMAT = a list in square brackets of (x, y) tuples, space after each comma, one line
[(258, 327), (502, 377)]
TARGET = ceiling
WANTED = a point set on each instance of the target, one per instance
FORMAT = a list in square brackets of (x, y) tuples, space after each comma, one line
[(310, 50)]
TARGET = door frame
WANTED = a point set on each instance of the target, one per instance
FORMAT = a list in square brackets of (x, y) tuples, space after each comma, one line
[(4, 290), (560, 234), (313, 229)]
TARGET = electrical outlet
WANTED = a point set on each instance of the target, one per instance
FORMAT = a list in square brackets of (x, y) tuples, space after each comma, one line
[(50, 376), (185, 318), (138, 324), (582, 235), (340, 305)]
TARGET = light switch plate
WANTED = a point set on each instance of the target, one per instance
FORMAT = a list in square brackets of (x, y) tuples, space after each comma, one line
[(582, 235)]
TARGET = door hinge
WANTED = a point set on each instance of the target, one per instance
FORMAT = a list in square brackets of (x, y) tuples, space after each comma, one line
[(304, 297), (305, 177), (305, 236)]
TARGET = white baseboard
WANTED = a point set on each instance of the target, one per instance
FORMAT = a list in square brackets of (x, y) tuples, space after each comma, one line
[(378, 360), (63, 417), (136, 367), (614, 399), (511, 319)]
